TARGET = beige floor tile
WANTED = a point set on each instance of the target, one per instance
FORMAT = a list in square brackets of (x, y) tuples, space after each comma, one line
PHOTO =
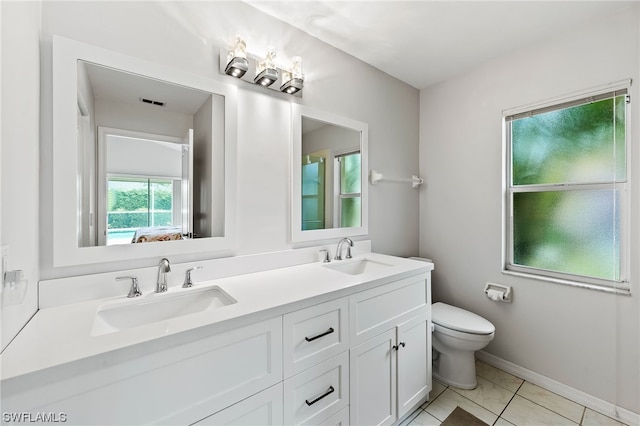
[(502, 422), (522, 412), (410, 417), (449, 400), (552, 401), (488, 395), (425, 419), (593, 418), (438, 388), (497, 376)]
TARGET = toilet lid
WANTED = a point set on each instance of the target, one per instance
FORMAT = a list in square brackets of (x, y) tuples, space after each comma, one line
[(460, 320)]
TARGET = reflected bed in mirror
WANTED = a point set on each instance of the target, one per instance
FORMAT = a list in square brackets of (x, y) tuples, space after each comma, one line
[(329, 169), (142, 153)]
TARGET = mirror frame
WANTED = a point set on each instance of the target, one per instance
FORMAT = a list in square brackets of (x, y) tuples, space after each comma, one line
[(297, 234), (66, 251)]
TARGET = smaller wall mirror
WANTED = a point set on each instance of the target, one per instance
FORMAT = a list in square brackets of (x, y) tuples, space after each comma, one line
[(329, 172)]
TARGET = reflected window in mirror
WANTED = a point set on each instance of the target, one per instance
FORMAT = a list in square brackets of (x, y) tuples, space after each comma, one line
[(349, 196), (136, 204)]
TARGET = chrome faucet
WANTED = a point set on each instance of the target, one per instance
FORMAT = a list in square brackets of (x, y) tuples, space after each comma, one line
[(338, 255), (163, 268)]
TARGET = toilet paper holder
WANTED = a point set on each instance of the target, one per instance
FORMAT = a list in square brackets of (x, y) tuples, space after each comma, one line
[(498, 292)]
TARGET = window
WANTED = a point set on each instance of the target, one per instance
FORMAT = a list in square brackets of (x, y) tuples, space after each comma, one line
[(136, 203), (566, 198), (348, 189)]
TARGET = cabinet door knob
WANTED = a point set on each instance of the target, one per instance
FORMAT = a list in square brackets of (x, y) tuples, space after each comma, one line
[(396, 347)]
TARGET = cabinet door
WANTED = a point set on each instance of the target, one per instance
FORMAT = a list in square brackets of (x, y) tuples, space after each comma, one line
[(373, 381), (376, 310), (413, 363), (264, 408)]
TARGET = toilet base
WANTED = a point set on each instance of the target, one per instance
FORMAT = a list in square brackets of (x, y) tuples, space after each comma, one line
[(456, 369), (465, 386)]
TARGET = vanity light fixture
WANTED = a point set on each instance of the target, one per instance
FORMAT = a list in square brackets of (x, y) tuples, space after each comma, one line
[(237, 63), (293, 81), (266, 72)]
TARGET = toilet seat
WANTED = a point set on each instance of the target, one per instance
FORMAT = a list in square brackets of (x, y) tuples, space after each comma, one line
[(458, 320)]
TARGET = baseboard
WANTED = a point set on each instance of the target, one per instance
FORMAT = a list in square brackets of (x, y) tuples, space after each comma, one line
[(582, 398)]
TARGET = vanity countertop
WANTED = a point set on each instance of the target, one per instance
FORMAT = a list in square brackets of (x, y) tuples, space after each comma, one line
[(62, 334)]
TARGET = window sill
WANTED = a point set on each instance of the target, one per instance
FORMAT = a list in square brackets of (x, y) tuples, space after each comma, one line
[(620, 291)]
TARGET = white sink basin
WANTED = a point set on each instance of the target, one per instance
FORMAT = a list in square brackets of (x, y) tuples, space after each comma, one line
[(358, 267), (156, 308)]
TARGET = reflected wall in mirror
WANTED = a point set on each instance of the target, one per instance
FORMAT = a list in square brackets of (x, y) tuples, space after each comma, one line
[(141, 153), (329, 176)]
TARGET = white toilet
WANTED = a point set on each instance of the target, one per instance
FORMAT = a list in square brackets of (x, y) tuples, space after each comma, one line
[(457, 335)]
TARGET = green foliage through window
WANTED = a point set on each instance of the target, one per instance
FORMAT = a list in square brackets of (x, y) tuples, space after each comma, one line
[(136, 203), (568, 166), (350, 187)]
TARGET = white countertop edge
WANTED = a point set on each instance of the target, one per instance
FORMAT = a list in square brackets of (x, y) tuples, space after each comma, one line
[(61, 335)]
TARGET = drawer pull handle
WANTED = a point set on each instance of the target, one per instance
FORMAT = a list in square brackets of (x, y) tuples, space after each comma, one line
[(311, 339), (327, 393)]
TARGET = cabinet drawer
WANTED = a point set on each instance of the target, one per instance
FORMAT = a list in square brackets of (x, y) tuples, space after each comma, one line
[(340, 419), (318, 393), (264, 408), (314, 334), (374, 311)]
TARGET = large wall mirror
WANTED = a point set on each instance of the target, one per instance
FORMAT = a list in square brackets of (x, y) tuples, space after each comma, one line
[(329, 172), (144, 158)]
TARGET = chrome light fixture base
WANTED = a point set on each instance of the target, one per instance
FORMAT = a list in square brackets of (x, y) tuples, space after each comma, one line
[(267, 77), (292, 86), (237, 67)]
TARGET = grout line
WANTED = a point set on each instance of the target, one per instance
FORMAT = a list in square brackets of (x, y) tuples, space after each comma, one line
[(510, 400), (584, 412)]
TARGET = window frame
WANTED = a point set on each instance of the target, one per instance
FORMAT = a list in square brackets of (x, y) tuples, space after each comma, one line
[(339, 196), (620, 286)]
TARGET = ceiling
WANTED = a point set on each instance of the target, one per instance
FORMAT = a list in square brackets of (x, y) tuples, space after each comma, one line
[(425, 42), (127, 88)]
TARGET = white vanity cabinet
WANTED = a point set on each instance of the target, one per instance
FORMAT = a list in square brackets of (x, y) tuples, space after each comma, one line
[(390, 371), (362, 357)]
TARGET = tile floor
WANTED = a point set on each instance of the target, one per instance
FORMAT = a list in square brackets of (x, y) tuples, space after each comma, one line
[(502, 399)]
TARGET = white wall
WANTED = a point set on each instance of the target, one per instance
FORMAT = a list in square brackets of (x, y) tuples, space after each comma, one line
[(187, 36), (191, 35), (20, 151), (585, 339)]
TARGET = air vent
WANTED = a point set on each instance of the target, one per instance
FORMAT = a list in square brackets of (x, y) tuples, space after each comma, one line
[(152, 102)]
